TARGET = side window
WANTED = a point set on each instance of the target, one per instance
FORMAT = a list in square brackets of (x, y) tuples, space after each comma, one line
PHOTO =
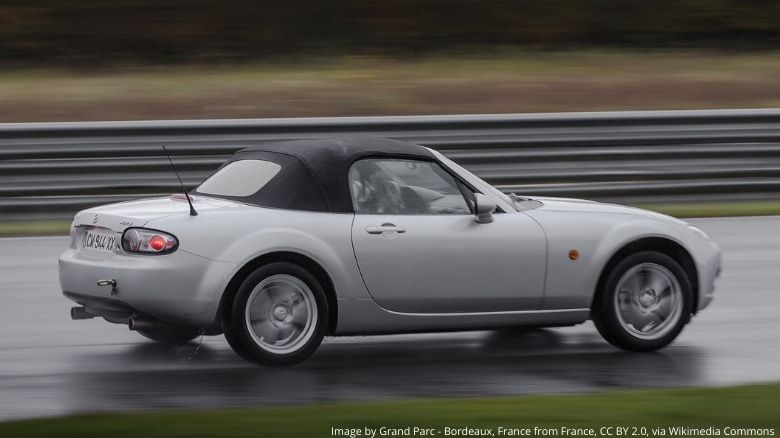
[(395, 186)]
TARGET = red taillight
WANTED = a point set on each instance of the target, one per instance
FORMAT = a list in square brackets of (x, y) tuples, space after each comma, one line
[(143, 241), (157, 243)]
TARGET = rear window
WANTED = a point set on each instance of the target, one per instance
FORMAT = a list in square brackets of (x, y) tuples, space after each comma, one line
[(240, 178)]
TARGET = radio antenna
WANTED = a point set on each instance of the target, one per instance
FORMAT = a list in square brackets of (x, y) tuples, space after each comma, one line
[(183, 189)]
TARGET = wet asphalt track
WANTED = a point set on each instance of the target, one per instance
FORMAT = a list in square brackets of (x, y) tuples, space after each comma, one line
[(50, 365)]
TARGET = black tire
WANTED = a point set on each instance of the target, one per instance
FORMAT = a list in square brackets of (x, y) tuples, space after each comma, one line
[(605, 312), (238, 333), (173, 335)]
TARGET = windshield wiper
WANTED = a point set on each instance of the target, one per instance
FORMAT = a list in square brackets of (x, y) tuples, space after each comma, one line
[(517, 199)]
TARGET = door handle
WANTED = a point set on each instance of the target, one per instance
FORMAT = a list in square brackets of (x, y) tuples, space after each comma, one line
[(385, 228)]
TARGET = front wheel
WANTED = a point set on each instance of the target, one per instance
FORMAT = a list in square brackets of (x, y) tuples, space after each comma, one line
[(645, 302), (279, 315)]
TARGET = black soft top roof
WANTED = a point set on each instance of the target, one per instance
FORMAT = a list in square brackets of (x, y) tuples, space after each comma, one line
[(314, 172)]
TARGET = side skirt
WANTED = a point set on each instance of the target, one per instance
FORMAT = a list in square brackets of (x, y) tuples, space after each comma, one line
[(365, 317)]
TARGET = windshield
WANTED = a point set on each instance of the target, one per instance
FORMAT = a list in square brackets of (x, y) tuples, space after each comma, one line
[(240, 178), (473, 179)]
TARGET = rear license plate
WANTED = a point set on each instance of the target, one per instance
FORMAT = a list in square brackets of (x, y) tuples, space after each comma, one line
[(99, 240)]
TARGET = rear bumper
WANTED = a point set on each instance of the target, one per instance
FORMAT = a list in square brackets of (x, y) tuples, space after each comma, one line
[(179, 288)]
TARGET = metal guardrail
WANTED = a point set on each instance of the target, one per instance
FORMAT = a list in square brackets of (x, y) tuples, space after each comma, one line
[(55, 169)]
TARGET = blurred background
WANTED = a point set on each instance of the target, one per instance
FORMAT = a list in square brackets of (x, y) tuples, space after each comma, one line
[(120, 60), (181, 59)]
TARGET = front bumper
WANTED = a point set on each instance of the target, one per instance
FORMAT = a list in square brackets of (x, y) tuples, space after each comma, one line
[(179, 288), (709, 269)]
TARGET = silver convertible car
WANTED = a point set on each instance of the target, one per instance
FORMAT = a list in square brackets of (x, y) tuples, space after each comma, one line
[(291, 241)]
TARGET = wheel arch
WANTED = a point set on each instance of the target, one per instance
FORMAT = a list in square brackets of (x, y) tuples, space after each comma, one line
[(662, 245), (226, 301)]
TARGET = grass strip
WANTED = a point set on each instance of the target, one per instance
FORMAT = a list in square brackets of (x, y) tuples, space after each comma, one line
[(737, 407)]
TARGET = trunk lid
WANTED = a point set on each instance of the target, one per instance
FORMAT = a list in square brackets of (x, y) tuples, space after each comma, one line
[(119, 216)]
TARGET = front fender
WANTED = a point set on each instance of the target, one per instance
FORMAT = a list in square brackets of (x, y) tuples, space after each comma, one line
[(624, 234), (596, 237)]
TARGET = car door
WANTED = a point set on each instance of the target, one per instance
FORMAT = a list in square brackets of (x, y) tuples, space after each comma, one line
[(420, 250)]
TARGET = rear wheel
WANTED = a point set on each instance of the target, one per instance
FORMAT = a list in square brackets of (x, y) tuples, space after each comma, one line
[(645, 302), (279, 315), (170, 335)]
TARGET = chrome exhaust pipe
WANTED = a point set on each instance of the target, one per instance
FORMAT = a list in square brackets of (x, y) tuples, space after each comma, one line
[(138, 323), (80, 313)]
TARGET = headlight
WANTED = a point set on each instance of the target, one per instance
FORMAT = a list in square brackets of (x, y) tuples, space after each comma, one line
[(698, 231), (145, 241)]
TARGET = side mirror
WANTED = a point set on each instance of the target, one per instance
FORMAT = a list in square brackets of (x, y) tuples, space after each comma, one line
[(484, 206)]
